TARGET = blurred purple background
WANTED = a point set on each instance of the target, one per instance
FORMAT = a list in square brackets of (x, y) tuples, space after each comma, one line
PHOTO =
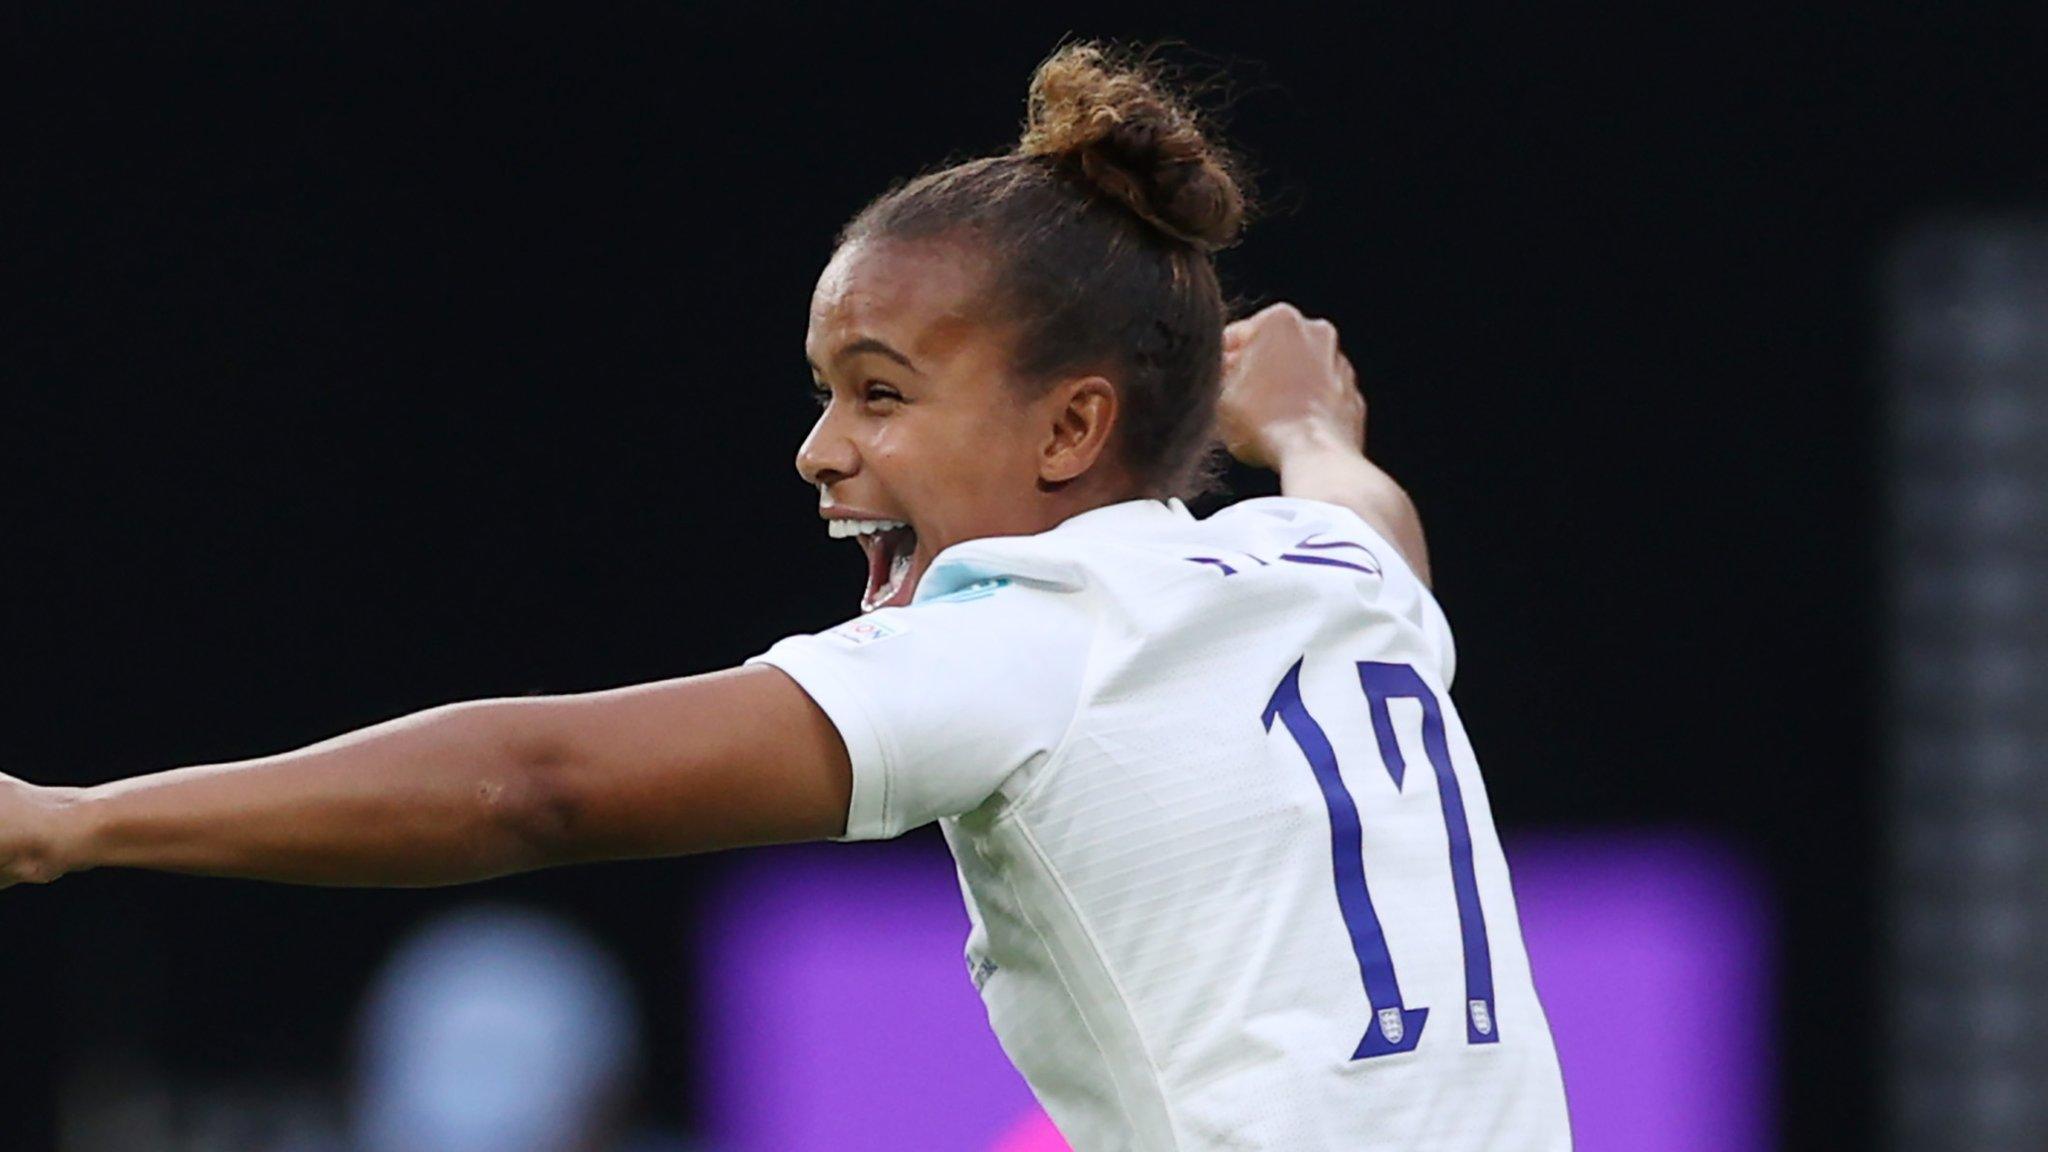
[(839, 1015)]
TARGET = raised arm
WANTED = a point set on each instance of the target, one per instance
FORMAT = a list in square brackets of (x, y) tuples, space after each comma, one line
[(467, 791), (1291, 403)]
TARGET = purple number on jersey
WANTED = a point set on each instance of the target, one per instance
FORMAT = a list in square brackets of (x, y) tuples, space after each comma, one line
[(1394, 1027)]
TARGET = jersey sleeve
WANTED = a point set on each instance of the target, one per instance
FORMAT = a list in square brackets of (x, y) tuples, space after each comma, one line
[(943, 703), (1415, 600), (1405, 591), (1422, 608)]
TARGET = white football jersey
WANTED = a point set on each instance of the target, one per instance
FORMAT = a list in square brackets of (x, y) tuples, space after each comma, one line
[(1232, 875)]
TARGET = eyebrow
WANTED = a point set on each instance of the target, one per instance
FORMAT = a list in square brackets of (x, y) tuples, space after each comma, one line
[(869, 344)]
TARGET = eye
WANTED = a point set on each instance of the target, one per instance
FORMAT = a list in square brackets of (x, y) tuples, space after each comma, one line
[(875, 392), (820, 394)]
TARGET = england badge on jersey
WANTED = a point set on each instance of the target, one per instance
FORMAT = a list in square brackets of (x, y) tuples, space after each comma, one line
[(1390, 1025), (1482, 1018)]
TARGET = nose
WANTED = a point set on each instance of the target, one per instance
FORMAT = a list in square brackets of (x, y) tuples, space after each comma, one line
[(826, 456)]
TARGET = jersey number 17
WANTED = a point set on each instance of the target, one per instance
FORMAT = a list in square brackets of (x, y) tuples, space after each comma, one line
[(1395, 1026)]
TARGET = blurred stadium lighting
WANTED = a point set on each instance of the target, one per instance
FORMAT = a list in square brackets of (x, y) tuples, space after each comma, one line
[(495, 1030), (1968, 731)]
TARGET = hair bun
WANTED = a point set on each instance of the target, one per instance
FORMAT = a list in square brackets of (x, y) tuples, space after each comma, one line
[(1113, 122)]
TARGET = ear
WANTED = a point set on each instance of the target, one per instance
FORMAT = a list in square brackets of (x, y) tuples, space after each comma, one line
[(1083, 413)]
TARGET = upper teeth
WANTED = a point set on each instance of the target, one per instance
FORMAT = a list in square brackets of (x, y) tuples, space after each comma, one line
[(840, 528)]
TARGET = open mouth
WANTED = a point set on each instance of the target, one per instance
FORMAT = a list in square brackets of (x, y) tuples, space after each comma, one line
[(891, 548)]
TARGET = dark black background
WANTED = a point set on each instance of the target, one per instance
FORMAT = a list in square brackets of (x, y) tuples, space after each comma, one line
[(368, 357)]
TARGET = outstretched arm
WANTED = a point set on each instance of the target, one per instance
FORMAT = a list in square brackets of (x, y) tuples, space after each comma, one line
[(467, 791), (1291, 403)]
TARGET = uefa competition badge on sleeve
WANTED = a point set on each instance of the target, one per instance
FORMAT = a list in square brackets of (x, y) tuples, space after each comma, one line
[(867, 631)]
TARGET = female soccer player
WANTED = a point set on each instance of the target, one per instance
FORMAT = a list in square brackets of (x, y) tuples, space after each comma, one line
[(1230, 868)]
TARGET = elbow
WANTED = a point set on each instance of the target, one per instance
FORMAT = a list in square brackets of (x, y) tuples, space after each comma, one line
[(1396, 516), (529, 822), (528, 809)]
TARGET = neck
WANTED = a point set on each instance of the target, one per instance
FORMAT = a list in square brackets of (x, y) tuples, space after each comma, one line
[(1085, 494)]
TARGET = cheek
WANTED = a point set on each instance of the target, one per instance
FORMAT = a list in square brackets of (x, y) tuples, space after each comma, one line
[(1002, 439), (988, 465), (956, 469), (914, 462)]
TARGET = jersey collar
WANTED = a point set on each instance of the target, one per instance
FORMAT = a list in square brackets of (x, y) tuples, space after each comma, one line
[(996, 559), (1116, 519)]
